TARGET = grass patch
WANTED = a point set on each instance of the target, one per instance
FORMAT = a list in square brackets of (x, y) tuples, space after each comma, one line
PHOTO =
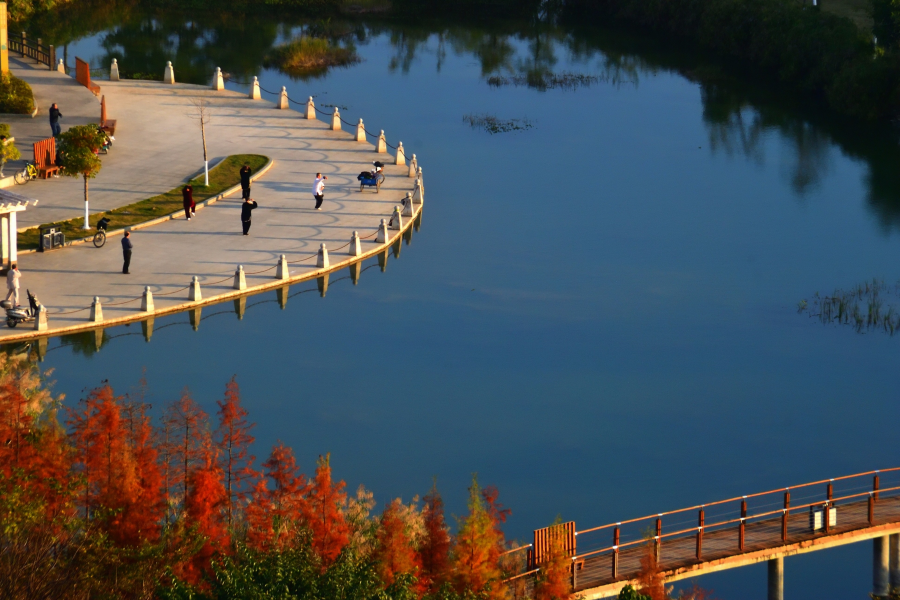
[(492, 124), (311, 56), (221, 177), (16, 96)]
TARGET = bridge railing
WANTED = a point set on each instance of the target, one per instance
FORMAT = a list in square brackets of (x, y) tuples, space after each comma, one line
[(736, 513), (45, 55)]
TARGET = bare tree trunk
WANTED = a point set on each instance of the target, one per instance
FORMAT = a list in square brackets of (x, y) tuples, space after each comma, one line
[(86, 223), (205, 160)]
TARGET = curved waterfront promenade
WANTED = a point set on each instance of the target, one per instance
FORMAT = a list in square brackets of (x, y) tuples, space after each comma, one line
[(210, 246)]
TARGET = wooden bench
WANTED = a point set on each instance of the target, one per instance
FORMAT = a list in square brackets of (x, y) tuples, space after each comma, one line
[(107, 125), (83, 76), (45, 157)]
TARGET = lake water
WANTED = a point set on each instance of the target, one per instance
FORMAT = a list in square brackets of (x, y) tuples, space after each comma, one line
[(599, 314)]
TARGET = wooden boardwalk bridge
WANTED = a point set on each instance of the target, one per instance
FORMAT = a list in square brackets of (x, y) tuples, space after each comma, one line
[(736, 532)]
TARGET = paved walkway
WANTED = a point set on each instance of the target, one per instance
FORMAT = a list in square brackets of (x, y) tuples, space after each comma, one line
[(156, 140)]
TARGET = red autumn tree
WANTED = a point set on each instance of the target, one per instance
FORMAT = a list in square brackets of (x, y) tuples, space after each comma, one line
[(143, 518), (435, 548), (553, 579), (203, 507), (495, 509), (651, 583), (187, 429), (275, 516), (107, 463), (394, 554), (233, 440), (330, 531), (476, 555)]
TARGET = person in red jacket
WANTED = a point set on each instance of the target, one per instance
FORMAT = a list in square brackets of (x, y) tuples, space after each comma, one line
[(187, 195)]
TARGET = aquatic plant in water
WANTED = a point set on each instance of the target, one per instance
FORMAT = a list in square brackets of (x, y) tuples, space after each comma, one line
[(492, 124), (311, 57), (870, 306), (545, 81)]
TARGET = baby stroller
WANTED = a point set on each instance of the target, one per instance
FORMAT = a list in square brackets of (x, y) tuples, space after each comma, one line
[(373, 178), (20, 314)]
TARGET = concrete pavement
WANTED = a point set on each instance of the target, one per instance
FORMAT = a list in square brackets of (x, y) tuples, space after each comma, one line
[(157, 141)]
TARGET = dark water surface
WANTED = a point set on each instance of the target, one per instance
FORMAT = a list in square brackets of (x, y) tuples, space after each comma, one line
[(598, 315)]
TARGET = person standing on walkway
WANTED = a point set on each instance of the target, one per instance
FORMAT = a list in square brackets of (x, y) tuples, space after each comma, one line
[(246, 212), (54, 119), (187, 200), (319, 190), (12, 284), (127, 247), (245, 181)]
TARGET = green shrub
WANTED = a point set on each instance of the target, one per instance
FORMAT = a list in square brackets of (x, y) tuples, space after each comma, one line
[(15, 96), (311, 56)]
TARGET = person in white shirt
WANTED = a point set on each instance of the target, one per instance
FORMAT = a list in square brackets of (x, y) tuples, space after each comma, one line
[(12, 284), (319, 190)]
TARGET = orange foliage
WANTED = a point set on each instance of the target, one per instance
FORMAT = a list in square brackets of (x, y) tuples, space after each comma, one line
[(553, 581), (330, 531), (104, 455), (394, 553), (435, 548), (188, 439), (203, 505), (650, 580), (274, 516), (233, 439), (476, 555), (142, 518)]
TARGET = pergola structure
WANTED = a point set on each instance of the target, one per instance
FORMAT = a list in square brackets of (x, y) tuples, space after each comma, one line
[(10, 205)]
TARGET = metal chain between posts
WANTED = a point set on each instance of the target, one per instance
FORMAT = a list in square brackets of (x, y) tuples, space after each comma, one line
[(70, 312), (172, 292), (123, 302)]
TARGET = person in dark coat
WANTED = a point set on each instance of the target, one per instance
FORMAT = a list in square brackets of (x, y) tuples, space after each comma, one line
[(187, 200), (245, 181), (246, 212), (127, 247), (54, 119)]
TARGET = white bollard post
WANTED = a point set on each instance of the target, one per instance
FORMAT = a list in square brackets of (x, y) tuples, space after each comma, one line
[(96, 310), (322, 257), (361, 132), (61, 66), (355, 249), (381, 145), (310, 109), (240, 282), (336, 120), (282, 271), (218, 82), (421, 178), (407, 205), (254, 90), (283, 103), (147, 300), (400, 159), (40, 318), (413, 167), (114, 71), (382, 236), (396, 221), (194, 294), (169, 75)]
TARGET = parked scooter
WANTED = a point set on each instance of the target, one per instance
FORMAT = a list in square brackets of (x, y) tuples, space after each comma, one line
[(107, 141), (20, 314)]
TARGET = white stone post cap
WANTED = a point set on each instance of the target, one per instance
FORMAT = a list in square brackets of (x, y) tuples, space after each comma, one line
[(282, 257), (240, 267), (360, 121), (335, 110), (283, 88), (310, 98), (383, 221), (355, 234), (114, 61), (255, 78), (147, 289), (96, 299), (169, 64), (194, 279), (322, 246)]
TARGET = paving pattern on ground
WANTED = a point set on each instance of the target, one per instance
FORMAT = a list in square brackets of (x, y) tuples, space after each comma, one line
[(158, 141)]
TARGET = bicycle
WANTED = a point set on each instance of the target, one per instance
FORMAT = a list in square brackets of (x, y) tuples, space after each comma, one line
[(26, 174), (100, 236)]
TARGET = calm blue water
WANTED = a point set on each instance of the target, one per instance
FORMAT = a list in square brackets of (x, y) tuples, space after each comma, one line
[(598, 315)]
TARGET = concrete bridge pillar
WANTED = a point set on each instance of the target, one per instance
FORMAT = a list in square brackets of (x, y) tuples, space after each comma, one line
[(880, 563), (776, 579), (894, 560)]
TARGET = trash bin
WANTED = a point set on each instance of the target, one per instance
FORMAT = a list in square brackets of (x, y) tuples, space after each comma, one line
[(51, 238)]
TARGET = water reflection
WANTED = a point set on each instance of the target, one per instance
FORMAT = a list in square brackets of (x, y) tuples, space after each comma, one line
[(872, 306)]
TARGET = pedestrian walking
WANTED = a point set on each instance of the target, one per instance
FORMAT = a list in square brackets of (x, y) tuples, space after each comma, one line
[(127, 247), (319, 190), (246, 212), (12, 284), (245, 181), (54, 119), (187, 200)]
